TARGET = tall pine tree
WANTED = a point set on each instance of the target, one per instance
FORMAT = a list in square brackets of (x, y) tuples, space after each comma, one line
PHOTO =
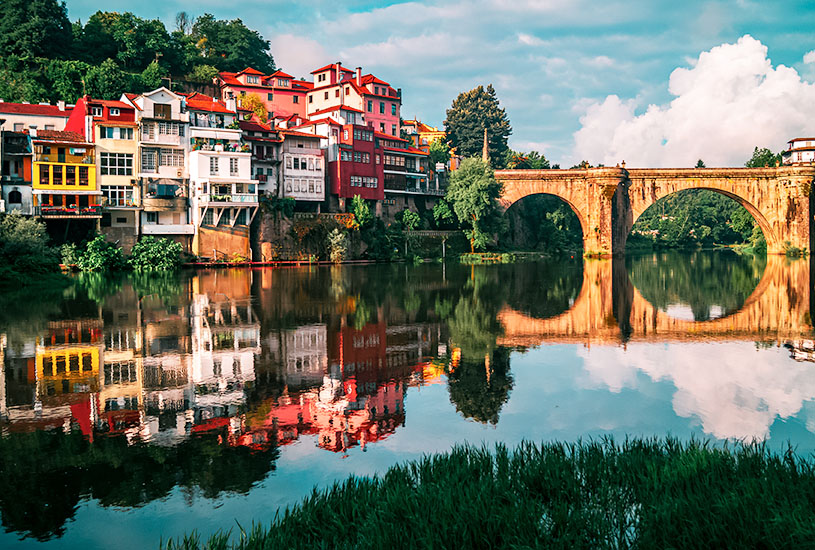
[(470, 113)]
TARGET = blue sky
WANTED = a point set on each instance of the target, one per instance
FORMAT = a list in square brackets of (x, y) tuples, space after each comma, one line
[(560, 67)]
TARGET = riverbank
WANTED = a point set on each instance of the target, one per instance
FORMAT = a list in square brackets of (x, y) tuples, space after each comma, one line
[(653, 493)]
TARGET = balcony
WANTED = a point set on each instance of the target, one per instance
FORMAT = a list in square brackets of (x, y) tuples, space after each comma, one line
[(168, 229), (68, 212), (162, 139), (233, 198)]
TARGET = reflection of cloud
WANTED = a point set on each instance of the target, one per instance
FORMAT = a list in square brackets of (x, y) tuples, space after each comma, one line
[(734, 390)]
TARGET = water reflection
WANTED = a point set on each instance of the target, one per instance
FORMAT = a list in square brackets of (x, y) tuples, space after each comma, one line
[(120, 390)]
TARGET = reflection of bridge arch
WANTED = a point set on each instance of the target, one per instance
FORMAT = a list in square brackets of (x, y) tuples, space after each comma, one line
[(607, 201), (610, 310)]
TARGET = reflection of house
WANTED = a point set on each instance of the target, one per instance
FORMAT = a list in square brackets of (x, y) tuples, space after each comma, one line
[(305, 355), (16, 171)]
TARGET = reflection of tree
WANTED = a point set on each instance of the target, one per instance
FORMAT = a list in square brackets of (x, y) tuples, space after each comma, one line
[(701, 280), (44, 474), (542, 289), (480, 388)]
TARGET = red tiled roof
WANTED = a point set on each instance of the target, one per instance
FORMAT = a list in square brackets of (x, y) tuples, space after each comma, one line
[(32, 109), (336, 108), (201, 102), (298, 134), (250, 70), (279, 74), (411, 150), (59, 136), (132, 97), (303, 84), (116, 104), (331, 66), (369, 79), (388, 136), (252, 126)]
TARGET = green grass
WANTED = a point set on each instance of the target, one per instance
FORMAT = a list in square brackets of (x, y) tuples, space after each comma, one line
[(639, 494)]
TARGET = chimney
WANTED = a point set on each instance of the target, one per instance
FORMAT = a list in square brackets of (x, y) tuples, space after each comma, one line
[(231, 104), (339, 71), (485, 152), (359, 76), (61, 105)]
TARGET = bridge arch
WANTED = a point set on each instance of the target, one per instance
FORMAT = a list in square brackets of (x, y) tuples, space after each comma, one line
[(511, 209), (638, 208)]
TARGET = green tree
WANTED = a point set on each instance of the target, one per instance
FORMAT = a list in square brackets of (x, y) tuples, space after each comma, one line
[(763, 158), (34, 28), (409, 219), (443, 214), (107, 81), (700, 164), (467, 118), (150, 254), (533, 160), (361, 211), (439, 152), (203, 74), (100, 255), (24, 249), (230, 45), (474, 194), (150, 78)]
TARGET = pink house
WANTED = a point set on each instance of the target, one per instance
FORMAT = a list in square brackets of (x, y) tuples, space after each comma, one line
[(281, 93)]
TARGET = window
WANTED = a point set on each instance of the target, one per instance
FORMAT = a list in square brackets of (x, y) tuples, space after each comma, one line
[(345, 134), (149, 160), (382, 127), (370, 106), (345, 155), (107, 132), (118, 195), (233, 167), (288, 162), (49, 127), (15, 197), (376, 90), (152, 217), (171, 157), (295, 99), (347, 90), (283, 82), (326, 95), (96, 111), (393, 129), (208, 217), (377, 159), (18, 126), (213, 166), (321, 77), (296, 163), (310, 99), (116, 164), (114, 111), (393, 108), (252, 79), (161, 110), (269, 96), (316, 164), (382, 107)]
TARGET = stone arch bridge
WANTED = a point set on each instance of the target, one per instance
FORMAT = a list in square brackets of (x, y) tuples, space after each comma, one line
[(608, 201)]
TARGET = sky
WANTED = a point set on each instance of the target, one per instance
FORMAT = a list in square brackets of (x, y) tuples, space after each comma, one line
[(647, 82)]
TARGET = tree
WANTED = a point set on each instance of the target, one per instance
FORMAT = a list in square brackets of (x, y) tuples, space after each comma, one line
[(150, 254), (700, 164), (203, 74), (230, 45), (533, 160), (24, 249), (107, 81), (439, 152), (442, 214), (474, 193), (469, 115), (34, 28), (183, 22), (252, 102), (409, 219), (362, 211), (763, 158), (151, 77)]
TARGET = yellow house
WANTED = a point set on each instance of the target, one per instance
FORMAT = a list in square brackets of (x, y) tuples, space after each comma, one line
[(64, 176)]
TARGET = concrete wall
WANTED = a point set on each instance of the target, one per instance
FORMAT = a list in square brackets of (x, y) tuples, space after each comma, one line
[(226, 240)]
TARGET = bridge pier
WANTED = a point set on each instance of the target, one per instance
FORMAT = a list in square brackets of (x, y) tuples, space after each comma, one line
[(607, 201)]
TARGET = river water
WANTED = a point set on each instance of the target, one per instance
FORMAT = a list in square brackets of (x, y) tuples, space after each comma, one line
[(138, 408)]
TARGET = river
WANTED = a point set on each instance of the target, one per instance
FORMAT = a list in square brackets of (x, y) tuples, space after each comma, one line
[(137, 408)]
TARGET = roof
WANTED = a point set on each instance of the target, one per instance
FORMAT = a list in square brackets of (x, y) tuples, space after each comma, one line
[(252, 126), (32, 109), (410, 150), (132, 98), (280, 74), (801, 139), (116, 104), (388, 136), (201, 102), (303, 84), (331, 66), (60, 136), (336, 108), (250, 70), (299, 134), (371, 79)]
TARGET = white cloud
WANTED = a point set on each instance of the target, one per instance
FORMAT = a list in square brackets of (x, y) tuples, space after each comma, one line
[(298, 55), (809, 57), (529, 40), (732, 392), (729, 102)]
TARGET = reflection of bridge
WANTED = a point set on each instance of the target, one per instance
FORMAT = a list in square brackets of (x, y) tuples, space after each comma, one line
[(608, 201), (610, 310)]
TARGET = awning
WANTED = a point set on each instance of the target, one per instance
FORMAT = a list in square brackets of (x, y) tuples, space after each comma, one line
[(65, 192)]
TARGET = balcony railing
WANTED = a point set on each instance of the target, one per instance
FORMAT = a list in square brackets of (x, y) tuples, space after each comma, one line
[(233, 197), (71, 210)]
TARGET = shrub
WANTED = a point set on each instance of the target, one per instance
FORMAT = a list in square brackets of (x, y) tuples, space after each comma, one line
[(101, 255), (150, 254), (24, 249), (337, 246), (69, 253)]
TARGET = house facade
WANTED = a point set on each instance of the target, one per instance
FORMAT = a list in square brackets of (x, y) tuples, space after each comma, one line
[(281, 93), (303, 172), (16, 151), (799, 151)]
